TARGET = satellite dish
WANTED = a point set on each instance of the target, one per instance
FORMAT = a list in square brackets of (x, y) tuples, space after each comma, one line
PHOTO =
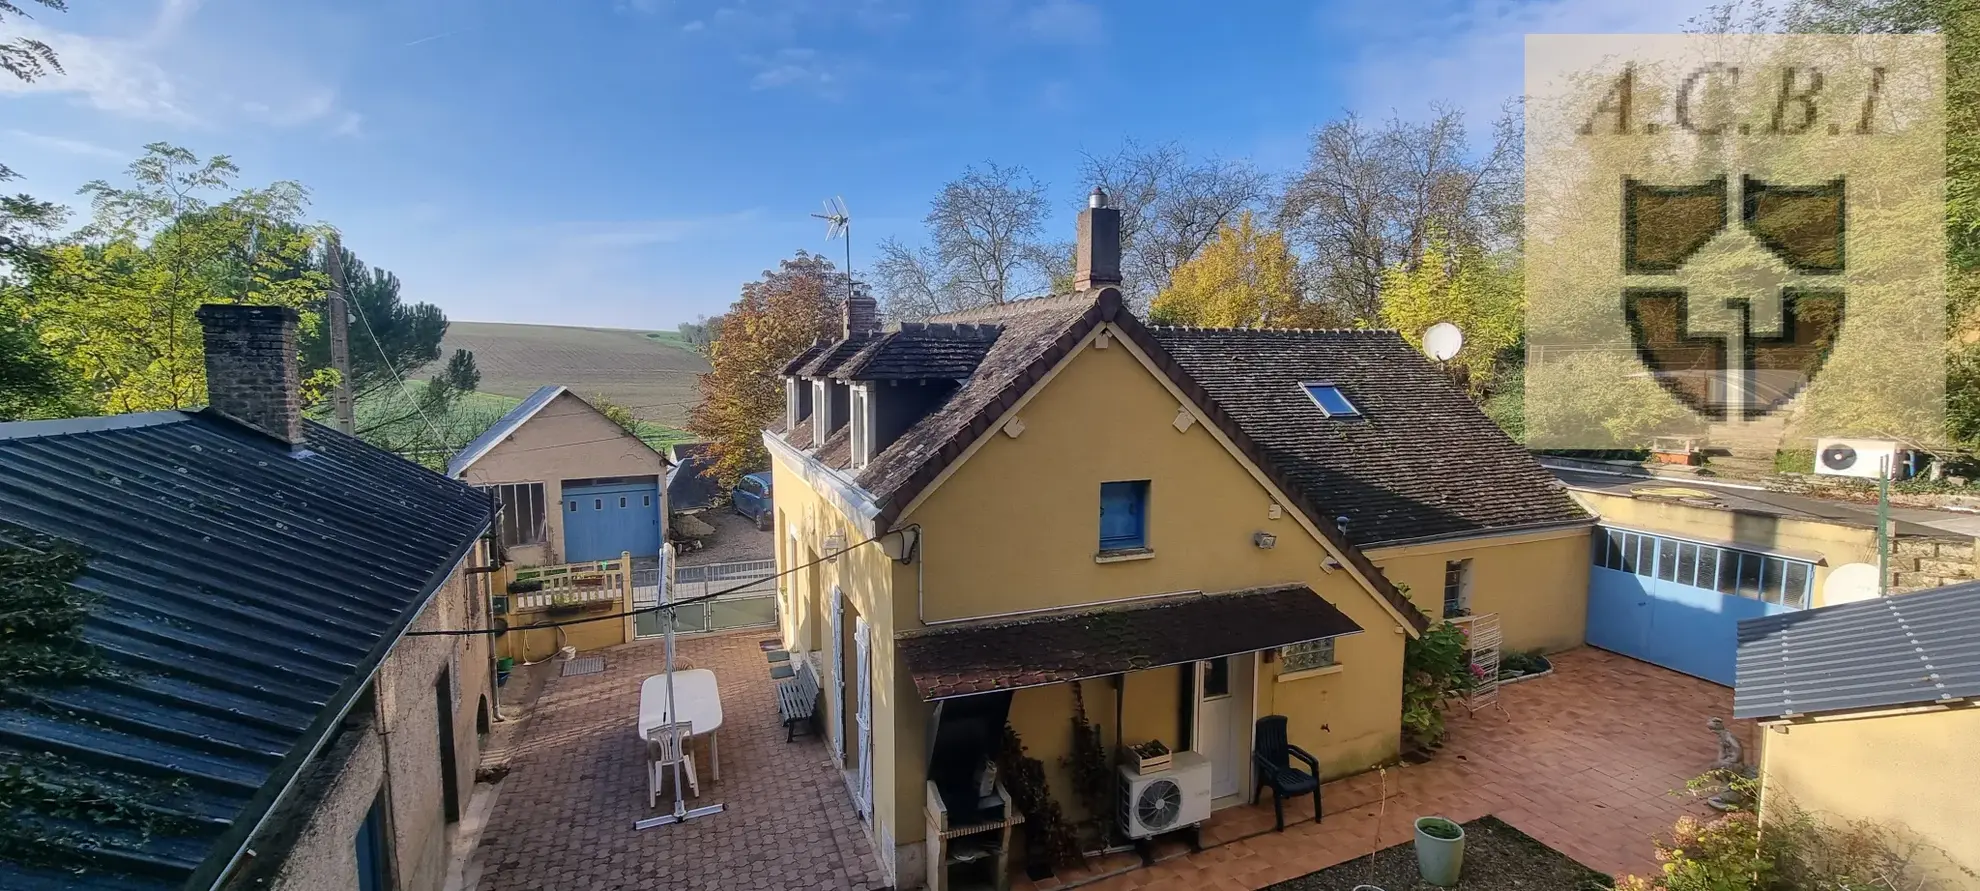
[(1442, 341), (1850, 583)]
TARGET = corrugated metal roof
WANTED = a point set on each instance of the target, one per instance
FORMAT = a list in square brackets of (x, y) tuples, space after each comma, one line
[(493, 436), (245, 592), (1909, 649)]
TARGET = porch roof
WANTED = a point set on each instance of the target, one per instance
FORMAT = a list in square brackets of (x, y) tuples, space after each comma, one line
[(1070, 646)]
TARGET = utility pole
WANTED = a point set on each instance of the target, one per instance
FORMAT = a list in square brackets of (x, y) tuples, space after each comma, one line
[(340, 334)]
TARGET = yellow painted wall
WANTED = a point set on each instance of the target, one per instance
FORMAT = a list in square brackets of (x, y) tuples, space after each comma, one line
[(1838, 544), (567, 440), (1016, 527), (1537, 583), (1913, 773)]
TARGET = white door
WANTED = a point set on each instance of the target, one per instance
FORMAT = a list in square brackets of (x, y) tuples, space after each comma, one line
[(863, 676), (1222, 709), (836, 715)]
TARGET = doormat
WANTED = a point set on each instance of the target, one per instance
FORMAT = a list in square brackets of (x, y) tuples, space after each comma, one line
[(584, 665), (770, 644)]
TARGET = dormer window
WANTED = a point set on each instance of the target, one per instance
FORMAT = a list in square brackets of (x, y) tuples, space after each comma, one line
[(797, 402), (1332, 402), (821, 412)]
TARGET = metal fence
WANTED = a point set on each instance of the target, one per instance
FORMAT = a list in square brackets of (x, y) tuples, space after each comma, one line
[(751, 606)]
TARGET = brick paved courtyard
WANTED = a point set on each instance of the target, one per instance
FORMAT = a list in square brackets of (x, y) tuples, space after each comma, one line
[(1585, 760), (563, 818)]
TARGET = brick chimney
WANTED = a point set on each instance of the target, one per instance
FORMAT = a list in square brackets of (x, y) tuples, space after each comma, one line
[(1097, 262), (861, 315), (251, 371)]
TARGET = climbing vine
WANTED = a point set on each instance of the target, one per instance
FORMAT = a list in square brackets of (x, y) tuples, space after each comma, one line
[(42, 613), (59, 810)]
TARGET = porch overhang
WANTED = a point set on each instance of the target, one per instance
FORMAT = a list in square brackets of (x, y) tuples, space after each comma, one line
[(1091, 643)]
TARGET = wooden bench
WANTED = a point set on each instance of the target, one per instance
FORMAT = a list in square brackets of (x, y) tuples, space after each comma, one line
[(797, 702)]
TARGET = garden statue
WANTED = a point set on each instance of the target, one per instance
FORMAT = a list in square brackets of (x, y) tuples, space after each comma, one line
[(1730, 765)]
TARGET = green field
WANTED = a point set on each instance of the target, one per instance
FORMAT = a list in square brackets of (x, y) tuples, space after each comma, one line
[(651, 373)]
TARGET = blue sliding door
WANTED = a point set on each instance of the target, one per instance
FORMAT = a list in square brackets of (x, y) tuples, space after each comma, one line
[(1678, 603)]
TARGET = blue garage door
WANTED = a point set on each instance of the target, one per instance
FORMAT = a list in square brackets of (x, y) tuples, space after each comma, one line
[(603, 521), (1678, 603)]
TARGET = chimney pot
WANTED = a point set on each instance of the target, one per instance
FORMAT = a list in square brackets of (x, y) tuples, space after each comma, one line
[(861, 316), (251, 372), (1097, 260)]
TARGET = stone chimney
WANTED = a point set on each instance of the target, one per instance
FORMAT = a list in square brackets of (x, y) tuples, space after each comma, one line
[(1097, 263), (861, 315), (251, 371)]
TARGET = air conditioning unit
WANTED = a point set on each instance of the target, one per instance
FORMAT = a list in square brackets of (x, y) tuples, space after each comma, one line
[(1166, 800), (1864, 458)]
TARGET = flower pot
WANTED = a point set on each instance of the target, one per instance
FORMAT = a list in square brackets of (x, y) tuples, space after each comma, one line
[(1439, 859)]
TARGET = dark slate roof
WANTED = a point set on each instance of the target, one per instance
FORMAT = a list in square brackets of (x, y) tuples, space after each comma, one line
[(245, 593), (1094, 643), (832, 357), (493, 436), (802, 359), (1420, 462), (1907, 649), (918, 351)]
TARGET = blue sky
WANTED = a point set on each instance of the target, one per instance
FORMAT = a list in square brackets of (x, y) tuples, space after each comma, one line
[(631, 162)]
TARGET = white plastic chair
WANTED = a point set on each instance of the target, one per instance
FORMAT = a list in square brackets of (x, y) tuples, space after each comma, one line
[(667, 745)]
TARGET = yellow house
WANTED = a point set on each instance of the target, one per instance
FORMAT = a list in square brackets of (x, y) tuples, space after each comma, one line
[(1004, 515), (1866, 713)]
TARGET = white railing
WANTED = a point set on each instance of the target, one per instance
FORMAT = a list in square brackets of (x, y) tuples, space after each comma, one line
[(570, 585)]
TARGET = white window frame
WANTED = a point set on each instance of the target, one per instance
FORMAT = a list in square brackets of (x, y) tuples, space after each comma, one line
[(1305, 389), (1463, 588), (821, 412), (792, 399), (541, 531), (863, 426)]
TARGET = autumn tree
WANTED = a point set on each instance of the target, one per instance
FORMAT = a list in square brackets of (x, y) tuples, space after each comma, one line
[(777, 317), (985, 247), (1172, 204), (1479, 293), (1369, 198), (1245, 276)]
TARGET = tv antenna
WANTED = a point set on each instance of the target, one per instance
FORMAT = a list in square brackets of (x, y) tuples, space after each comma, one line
[(838, 224)]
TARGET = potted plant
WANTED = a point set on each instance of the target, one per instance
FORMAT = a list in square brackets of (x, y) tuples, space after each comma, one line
[(525, 586), (1439, 850), (564, 605)]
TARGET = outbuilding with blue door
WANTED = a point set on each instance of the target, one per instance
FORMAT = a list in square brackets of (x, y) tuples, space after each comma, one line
[(574, 486)]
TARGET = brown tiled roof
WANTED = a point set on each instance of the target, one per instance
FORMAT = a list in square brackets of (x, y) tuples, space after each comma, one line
[(832, 356), (1421, 461), (802, 359), (1069, 646), (945, 351), (1034, 336)]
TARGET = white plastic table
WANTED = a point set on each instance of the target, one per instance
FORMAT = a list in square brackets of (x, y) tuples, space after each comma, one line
[(700, 705)]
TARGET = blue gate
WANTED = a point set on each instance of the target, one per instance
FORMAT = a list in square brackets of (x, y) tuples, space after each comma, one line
[(1678, 603), (601, 521)]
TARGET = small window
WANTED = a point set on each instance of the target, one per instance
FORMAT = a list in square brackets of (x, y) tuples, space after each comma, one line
[(1457, 587), (1646, 556), (622, 501), (1331, 400), (1728, 572), (1124, 515), (1667, 558), (573, 506), (1794, 591), (374, 871), (1749, 575), (1687, 563), (1708, 567), (645, 501), (1306, 656), (597, 504), (523, 507)]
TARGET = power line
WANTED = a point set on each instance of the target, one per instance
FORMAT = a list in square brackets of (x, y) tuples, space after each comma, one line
[(469, 632), (386, 360)]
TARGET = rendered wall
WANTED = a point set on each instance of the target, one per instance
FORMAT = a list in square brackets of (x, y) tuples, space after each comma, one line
[(1912, 773), (1537, 583)]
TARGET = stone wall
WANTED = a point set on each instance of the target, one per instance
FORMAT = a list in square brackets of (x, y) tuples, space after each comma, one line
[(1918, 562)]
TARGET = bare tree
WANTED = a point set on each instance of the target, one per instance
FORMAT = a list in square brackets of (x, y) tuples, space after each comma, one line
[(1369, 198), (984, 247), (1171, 206)]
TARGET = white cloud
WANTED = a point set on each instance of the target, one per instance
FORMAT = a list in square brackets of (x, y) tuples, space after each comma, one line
[(1063, 21), (1472, 56), (696, 25), (796, 67), (108, 74), (69, 146)]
